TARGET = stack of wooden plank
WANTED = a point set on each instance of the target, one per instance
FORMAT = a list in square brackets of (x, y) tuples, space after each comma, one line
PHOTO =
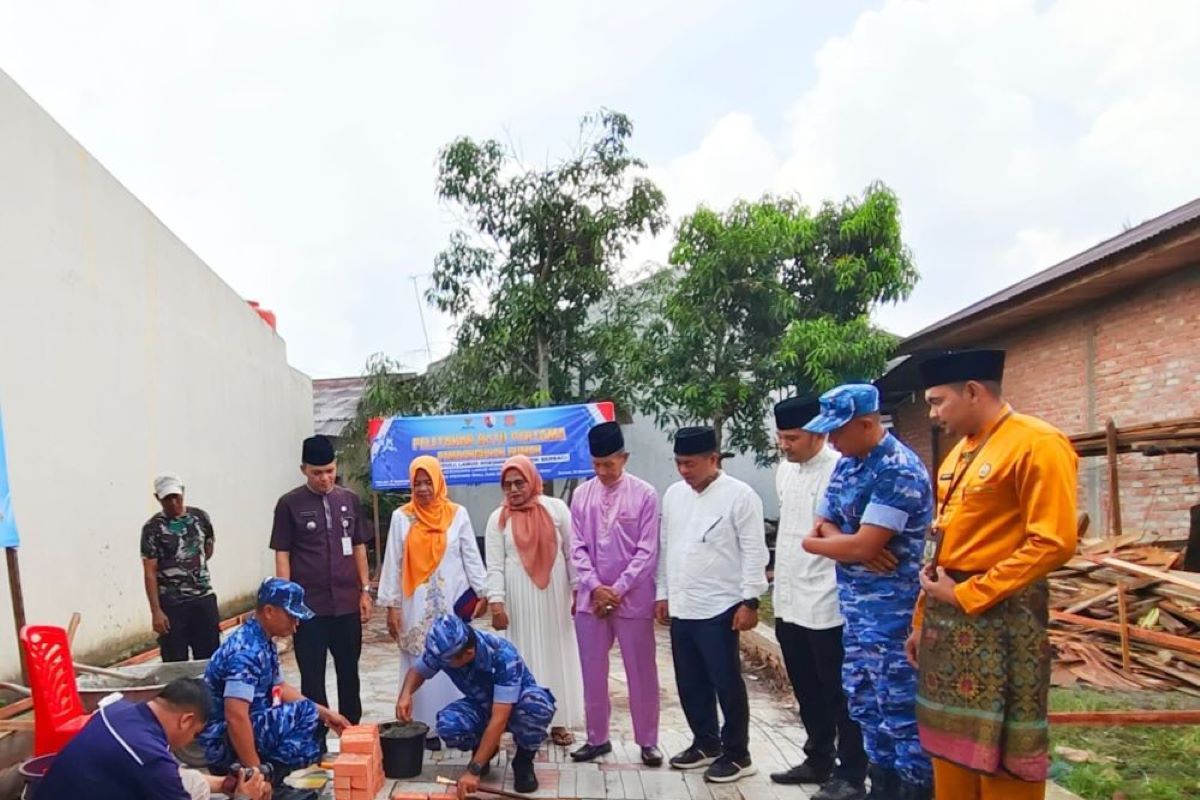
[(1123, 617), (1156, 438)]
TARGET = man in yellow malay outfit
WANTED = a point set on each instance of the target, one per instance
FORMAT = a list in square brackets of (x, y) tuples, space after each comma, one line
[(1005, 518)]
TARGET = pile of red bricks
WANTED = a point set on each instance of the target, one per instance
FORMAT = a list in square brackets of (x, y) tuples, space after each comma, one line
[(358, 769)]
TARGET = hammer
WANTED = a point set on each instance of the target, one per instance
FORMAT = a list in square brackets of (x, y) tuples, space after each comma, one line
[(485, 790)]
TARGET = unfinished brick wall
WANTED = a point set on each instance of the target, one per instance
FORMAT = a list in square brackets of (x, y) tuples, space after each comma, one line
[(1134, 357)]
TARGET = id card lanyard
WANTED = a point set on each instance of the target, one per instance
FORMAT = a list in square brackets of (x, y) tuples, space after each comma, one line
[(933, 545)]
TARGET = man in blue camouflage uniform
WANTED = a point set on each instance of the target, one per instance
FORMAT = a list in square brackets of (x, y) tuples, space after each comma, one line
[(256, 717), (500, 694), (872, 521)]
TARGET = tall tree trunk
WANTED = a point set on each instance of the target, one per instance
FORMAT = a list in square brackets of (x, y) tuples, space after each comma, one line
[(543, 368)]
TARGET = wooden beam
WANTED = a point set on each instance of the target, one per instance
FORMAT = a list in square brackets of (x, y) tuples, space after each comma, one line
[(1181, 643), (18, 604), (1122, 718), (1114, 488), (1123, 616), (1148, 572)]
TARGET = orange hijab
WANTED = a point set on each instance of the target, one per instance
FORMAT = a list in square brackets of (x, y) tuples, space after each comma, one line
[(532, 526), (426, 541)]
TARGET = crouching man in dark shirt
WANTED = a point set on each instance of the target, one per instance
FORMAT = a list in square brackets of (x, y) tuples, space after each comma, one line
[(124, 752)]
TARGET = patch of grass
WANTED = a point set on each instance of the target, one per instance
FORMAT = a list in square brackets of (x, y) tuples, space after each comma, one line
[(1153, 763), (766, 609)]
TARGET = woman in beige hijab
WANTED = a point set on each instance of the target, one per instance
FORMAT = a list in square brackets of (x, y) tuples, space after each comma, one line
[(531, 587)]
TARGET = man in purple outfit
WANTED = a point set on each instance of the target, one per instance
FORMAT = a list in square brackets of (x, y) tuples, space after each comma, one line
[(614, 549)]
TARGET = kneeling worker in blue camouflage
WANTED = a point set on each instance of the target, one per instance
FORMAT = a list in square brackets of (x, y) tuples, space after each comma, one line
[(500, 695), (246, 725), (872, 521)]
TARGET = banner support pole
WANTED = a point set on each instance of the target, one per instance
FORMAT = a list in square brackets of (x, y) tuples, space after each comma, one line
[(18, 603)]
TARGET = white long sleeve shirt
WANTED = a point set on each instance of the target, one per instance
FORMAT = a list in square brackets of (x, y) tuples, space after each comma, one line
[(713, 551), (805, 584)]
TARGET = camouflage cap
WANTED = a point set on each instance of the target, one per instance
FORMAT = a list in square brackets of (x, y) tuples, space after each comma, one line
[(842, 404), (286, 595)]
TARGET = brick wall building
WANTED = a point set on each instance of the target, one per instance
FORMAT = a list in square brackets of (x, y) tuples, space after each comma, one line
[(1112, 332)]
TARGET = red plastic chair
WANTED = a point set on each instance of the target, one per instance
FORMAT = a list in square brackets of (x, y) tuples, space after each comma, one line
[(57, 710)]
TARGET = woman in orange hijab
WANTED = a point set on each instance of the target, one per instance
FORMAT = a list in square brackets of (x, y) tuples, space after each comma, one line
[(431, 565), (530, 586)]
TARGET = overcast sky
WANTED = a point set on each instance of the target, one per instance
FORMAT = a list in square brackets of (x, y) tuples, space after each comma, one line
[(293, 145)]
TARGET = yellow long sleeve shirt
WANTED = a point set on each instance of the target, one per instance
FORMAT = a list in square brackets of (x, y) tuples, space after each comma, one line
[(1011, 519)]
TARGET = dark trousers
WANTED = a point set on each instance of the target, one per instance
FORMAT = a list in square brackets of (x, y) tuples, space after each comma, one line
[(195, 625), (708, 671), (340, 636), (814, 666)]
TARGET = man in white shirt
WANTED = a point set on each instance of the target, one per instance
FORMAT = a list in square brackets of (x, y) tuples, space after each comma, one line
[(808, 620), (711, 573)]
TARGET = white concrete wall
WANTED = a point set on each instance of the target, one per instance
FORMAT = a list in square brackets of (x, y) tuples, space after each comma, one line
[(122, 355)]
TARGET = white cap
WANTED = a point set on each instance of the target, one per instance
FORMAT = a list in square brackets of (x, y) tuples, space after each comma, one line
[(167, 485)]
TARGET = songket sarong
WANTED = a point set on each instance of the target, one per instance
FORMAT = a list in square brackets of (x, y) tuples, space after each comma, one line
[(983, 684)]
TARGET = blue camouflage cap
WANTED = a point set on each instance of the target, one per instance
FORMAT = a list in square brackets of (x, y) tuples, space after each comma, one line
[(447, 636), (842, 404), (286, 595)]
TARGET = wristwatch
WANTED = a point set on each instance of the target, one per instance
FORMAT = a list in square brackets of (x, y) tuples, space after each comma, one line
[(475, 768), (751, 604)]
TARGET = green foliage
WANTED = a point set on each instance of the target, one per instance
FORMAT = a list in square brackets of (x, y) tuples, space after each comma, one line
[(769, 295), (542, 250), (390, 390)]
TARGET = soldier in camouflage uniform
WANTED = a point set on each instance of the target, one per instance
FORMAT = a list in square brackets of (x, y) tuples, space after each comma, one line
[(873, 520), (500, 694), (245, 680), (177, 543)]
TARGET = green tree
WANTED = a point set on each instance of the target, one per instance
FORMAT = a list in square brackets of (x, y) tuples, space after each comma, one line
[(769, 295), (542, 250), (390, 390)]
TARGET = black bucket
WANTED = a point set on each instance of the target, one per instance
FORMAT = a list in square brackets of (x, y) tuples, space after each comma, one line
[(403, 745), (32, 772)]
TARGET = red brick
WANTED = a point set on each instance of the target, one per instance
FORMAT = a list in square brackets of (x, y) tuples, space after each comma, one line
[(1145, 347)]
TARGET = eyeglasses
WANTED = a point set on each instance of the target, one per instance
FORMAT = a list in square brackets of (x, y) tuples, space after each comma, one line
[(516, 485)]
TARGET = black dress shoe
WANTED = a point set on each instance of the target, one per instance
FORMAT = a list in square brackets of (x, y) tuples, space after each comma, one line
[(652, 756), (804, 773), (591, 751)]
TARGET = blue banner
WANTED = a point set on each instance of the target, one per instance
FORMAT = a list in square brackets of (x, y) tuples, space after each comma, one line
[(472, 447), (8, 523)]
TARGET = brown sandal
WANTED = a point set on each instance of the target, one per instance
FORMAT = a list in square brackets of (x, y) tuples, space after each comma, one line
[(562, 737)]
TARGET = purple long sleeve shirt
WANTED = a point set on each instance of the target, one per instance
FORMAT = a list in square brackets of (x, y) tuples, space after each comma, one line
[(614, 542)]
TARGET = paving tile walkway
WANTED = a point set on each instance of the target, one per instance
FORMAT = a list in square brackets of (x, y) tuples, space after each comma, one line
[(776, 738)]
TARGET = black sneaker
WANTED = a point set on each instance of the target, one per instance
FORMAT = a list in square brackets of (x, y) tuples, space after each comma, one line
[(693, 758), (524, 778), (841, 789), (804, 773), (911, 791), (727, 770)]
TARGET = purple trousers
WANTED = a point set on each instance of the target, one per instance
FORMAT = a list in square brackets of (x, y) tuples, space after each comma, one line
[(638, 651)]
